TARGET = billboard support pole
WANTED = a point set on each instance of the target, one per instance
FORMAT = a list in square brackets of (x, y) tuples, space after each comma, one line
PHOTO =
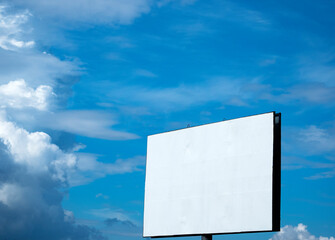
[(206, 237)]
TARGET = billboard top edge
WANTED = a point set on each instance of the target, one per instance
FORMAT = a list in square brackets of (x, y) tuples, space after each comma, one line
[(274, 112)]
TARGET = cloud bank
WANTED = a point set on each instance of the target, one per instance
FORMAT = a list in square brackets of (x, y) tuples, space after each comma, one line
[(35, 173), (32, 172)]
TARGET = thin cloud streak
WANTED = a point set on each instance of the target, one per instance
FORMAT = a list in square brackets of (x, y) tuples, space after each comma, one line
[(89, 168), (83, 12)]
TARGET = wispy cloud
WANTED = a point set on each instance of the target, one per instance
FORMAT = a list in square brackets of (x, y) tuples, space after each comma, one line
[(317, 140), (144, 73), (224, 90), (220, 89), (89, 168), (18, 62), (112, 222), (35, 107), (118, 222), (34, 86), (120, 41), (322, 175), (318, 67), (37, 68), (89, 123), (232, 12), (10, 30), (100, 195), (293, 163), (76, 11), (315, 147)]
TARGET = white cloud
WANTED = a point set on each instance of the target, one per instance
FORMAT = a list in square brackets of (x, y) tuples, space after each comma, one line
[(35, 151), (105, 213), (37, 68), (222, 90), (233, 12), (24, 105), (85, 11), (292, 163), (315, 145), (33, 169), (145, 73), (120, 41), (89, 168), (102, 196), (19, 59), (299, 232), (16, 94), (32, 172), (89, 123), (322, 175), (119, 222), (11, 31), (10, 194), (315, 93), (318, 67), (317, 140)]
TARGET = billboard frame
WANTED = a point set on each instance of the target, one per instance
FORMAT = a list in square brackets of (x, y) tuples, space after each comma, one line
[(276, 180)]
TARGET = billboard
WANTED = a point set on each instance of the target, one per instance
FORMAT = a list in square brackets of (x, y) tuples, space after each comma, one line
[(217, 178)]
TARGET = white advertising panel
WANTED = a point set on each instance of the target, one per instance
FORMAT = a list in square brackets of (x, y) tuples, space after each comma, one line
[(214, 179)]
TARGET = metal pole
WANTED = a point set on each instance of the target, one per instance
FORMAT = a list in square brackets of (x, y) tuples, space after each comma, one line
[(206, 237)]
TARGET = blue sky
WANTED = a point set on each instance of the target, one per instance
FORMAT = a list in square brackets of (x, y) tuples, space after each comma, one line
[(83, 83)]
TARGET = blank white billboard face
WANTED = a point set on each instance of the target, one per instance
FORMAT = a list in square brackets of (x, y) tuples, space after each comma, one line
[(215, 178)]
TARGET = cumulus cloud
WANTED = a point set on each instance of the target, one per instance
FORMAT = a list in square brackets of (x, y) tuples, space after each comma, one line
[(16, 94), (29, 77), (299, 232), (24, 100), (35, 151), (44, 83), (32, 171)]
